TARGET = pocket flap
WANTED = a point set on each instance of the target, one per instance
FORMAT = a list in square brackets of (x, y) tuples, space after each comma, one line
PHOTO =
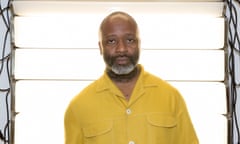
[(97, 129), (162, 120)]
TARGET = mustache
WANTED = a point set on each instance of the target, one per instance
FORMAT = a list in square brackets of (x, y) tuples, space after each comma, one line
[(115, 57), (121, 55)]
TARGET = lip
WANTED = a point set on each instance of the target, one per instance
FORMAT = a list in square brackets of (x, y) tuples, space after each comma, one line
[(121, 60)]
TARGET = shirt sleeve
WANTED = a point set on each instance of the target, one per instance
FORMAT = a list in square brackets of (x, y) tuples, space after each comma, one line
[(185, 130), (72, 130)]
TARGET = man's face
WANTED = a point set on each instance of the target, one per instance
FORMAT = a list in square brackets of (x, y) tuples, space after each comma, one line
[(120, 44)]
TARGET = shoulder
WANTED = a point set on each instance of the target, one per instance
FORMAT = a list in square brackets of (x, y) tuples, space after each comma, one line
[(87, 91), (160, 86), (152, 79), (149, 79)]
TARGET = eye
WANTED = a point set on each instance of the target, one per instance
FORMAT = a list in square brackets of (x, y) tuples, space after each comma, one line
[(131, 40), (111, 41)]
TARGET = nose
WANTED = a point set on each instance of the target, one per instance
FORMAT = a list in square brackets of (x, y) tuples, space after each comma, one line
[(121, 47)]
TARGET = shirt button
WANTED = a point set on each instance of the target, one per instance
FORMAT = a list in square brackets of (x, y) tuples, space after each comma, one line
[(128, 111), (131, 142)]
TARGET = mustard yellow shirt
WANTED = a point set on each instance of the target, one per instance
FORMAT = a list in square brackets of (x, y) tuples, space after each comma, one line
[(155, 114)]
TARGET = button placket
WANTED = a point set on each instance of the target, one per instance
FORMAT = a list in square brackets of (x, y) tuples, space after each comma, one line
[(131, 142), (128, 111)]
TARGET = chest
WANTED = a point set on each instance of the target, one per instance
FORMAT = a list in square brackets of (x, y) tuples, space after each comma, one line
[(126, 89)]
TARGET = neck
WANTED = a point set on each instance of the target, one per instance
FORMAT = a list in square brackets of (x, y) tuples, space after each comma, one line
[(123, 78)]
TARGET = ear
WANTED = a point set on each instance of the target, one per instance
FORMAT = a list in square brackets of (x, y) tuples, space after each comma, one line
[(100, 47)]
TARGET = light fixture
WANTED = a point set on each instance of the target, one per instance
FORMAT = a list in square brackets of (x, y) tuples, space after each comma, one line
[(57, 55), (72, 32), (87, 64), (41, 105)]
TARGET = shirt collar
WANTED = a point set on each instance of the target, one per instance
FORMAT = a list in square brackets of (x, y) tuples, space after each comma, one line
[(105, 83)]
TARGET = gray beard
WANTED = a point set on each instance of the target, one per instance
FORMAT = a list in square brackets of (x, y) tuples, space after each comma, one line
[(122, 70)]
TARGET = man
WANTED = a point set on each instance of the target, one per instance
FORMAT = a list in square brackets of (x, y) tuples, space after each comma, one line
[(127, 105)]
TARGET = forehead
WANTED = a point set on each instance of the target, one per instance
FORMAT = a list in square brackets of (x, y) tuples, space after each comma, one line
[(118, 22)]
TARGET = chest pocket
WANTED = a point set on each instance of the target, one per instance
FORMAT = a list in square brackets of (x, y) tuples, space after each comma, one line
[(98, 133), (161, 128), (162, 120)]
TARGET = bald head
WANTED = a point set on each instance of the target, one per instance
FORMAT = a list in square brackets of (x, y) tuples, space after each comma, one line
[(117, 16)]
